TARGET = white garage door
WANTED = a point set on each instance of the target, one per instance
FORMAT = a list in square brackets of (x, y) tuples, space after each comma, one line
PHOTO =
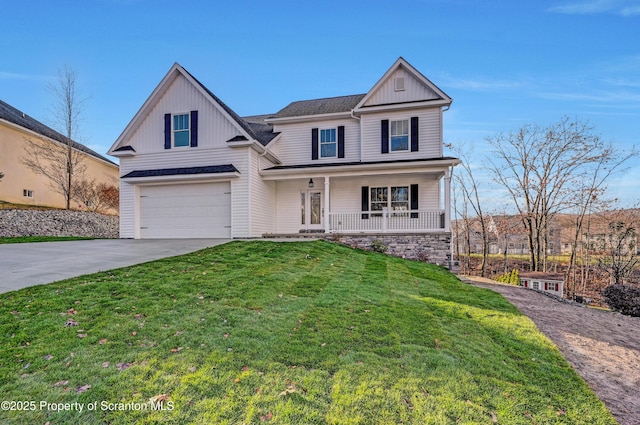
[(201, 210)]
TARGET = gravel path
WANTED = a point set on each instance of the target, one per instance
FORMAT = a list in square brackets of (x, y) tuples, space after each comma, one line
[(603, 347)]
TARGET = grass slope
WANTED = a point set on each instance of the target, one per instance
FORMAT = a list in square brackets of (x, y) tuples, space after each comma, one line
[(256, 332)]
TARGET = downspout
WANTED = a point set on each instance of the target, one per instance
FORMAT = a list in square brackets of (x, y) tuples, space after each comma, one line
[(358, 118)]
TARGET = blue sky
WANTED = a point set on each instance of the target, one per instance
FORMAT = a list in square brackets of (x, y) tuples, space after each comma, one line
[(505, 63)]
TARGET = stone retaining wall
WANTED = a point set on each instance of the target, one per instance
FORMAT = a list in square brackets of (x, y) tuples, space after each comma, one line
[(430, 247), (57, 223)]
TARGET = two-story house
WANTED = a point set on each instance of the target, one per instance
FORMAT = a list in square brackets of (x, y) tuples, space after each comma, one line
[(364, 166)]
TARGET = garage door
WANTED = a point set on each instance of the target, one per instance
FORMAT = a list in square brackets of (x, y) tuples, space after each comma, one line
[(200, 210)]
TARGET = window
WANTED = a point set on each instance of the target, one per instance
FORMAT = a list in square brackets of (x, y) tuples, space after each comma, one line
[(399, 135), (379, 198), (328, 143), (399, 200), (398, 83), (536, 286), (303, 203), (27, 193), (181, 136)]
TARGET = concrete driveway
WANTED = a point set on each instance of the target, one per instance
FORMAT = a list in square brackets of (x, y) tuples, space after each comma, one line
[(28, 264)]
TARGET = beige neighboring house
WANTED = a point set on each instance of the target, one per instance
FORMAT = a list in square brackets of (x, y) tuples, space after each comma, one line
[(20, 184)]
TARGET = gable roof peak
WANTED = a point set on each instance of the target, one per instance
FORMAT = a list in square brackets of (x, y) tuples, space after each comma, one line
[(401, 63), (255, 132)]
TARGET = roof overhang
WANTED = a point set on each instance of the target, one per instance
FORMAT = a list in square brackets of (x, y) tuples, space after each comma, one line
[(257, 146), (405, 105), (436, 166), (303, 118), (187, 174), (124, 152)]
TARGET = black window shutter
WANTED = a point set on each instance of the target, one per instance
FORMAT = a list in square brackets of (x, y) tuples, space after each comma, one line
[(414, 200), (414, 134), (384, 133), (314, 143), (365, 201), (194, 129), (167, 131), (341, 141)]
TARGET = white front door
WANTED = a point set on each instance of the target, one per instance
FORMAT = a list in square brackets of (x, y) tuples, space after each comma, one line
[(312, 205)]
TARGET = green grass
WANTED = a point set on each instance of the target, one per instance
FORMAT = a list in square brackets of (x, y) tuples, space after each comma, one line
[(256, 332), (29, 239)]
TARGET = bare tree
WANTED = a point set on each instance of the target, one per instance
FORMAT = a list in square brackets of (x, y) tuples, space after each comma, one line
[(621, 246), (469, 188), (541, 167), (96, 197), (591, 192), (61, 163)]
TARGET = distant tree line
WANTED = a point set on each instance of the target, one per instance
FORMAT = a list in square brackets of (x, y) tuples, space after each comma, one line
[(544, 171)]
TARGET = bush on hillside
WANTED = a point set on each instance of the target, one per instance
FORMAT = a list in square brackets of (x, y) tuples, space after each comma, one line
[(512, 278), (625, 299), (378, 246)]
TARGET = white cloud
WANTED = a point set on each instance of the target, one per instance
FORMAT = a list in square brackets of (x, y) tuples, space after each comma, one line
[(630, 11), (618, 7), (595, 96), (478, 84)]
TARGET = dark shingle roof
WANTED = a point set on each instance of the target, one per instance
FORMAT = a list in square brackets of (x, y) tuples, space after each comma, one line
[(320, 106), (12, 115), (212, 169), (261, 132)]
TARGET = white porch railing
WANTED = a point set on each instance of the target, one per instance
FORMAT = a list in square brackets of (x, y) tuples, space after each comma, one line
[(387, 221)]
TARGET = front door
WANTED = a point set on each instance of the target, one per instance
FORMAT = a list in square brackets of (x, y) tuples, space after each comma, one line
[(311, 203)]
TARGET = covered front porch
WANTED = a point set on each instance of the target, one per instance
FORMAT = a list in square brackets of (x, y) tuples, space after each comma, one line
[(360, 198)]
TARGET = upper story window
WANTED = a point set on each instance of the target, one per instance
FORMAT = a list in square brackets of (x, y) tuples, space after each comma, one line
[(328, 143), (181, 133), (181, 130), (399, 135), (398, 84)]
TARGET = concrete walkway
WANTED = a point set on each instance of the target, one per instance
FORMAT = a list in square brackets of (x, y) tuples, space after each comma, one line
[(28, 264)]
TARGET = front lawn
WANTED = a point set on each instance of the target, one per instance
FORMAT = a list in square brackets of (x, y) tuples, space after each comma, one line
[(288, 333)]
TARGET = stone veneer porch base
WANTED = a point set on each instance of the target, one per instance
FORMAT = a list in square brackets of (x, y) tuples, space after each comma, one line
[(430, 247)]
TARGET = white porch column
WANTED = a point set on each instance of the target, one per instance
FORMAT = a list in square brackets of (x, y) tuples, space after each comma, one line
[(447, 200), (327, 223)]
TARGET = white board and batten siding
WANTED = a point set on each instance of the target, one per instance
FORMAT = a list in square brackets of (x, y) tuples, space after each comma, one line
[(214, 129), (429, 131), (294, 146), (412, 90)]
